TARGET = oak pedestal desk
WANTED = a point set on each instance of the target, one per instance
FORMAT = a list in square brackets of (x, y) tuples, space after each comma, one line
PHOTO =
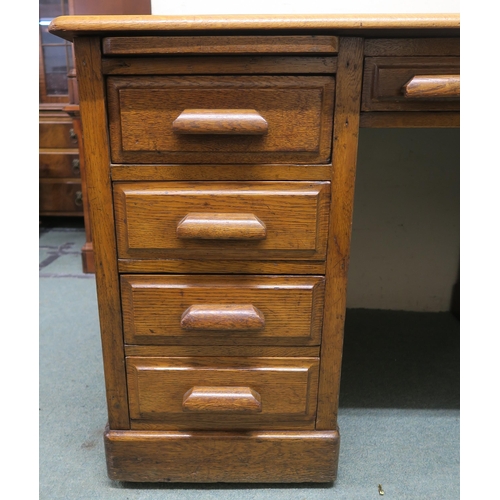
[(221, 157)]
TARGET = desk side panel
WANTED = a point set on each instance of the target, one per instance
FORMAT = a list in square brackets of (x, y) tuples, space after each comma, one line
[(345, 148), (93, 112)]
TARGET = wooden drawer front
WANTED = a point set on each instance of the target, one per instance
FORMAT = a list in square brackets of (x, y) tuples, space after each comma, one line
[(244, 45), (231, 220), (222, 310), (223, 393), (60, 197), (385, 79), (59, 164), (57, 135), (295, 113)]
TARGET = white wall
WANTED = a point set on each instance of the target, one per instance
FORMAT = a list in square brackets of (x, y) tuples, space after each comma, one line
[(201, 7), (406, 225)]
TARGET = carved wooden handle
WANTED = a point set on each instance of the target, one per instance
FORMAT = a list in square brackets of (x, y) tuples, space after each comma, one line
[(429, 86), (220, 121), (221, 227), (230, 317), (222, 399)]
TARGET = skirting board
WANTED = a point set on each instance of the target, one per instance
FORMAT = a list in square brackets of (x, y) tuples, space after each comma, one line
[(200, 456)]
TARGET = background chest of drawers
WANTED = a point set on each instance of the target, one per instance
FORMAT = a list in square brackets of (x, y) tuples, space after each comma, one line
[(220, 176), (59, 173)]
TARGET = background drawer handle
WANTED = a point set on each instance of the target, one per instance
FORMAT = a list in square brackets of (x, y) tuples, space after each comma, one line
[(222, 399), (429, 86), (75, 166), (220, 121), (78, 198), (221, 227), (231, 317)]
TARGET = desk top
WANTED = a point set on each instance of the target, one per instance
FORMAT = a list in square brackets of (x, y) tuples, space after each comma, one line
[(68, 27)]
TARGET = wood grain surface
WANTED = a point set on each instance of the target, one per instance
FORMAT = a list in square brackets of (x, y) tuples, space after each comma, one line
[(148, 215), (93, 112), (57, 134), (203, 457), (223, 317), (158, 388), (60, 197), (222, 310), (432, 87), (229, 172), (221, 350), (412, 46), (410, 119), (218, 266), (59, 163), (209, 44), (220, 65), (385, 79), (345, 149), (220, 121), (221, 226), (355, 24), (297, 109), (219, 399)]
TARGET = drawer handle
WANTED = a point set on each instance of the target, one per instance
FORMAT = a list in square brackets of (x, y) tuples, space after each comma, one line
[(229, 317), (78, 198), (429, 86), (221, 227), (75, 166), (220, 121), (222, 399)]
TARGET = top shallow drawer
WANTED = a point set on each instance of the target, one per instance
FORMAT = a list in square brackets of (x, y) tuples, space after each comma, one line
[(411, 84), (243, 45), (221, 119)]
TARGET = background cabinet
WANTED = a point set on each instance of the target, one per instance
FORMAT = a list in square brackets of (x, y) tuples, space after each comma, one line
[(62, 190), (59, 166)]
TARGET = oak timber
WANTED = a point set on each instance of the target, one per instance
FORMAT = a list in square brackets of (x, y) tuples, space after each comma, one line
[(203, 457), (93, 113)]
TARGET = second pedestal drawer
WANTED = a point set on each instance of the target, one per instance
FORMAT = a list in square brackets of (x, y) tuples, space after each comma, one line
[(222, 392), (222, 310), (222, 220)]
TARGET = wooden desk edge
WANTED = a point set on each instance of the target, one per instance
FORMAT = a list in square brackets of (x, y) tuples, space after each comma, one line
[(68, 27)]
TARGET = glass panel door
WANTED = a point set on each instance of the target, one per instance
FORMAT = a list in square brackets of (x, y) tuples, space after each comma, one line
[(56, 54)]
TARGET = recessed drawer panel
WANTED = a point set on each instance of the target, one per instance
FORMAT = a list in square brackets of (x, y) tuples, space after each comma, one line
[(223, 392), (222, 310), (231, 220), (223, 119), (411, 84)]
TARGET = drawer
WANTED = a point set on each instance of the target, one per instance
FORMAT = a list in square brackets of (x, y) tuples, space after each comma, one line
[(222, 119), (59, 164), (222, 310), (411, 84), (230, 220), (222, 393), (241, 45), (60, 197), (57, 135)]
